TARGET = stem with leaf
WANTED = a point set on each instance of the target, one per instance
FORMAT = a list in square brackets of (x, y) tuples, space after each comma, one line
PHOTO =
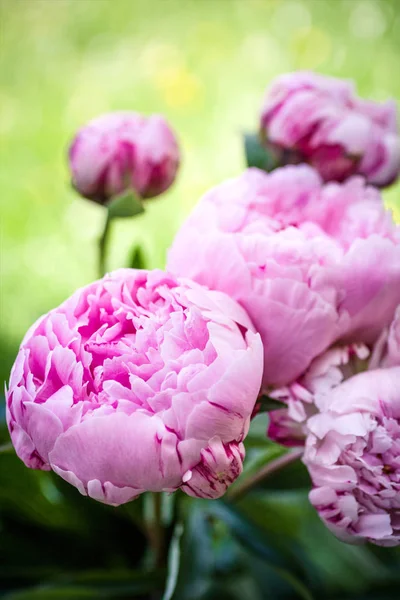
[(127, 204)]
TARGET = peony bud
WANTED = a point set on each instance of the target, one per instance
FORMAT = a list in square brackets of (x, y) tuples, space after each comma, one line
[(138, 382), (319, 120), (122, 150)]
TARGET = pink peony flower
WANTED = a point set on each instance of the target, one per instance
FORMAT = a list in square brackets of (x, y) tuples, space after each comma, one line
[(320, 120), (137, 382), (120, 150), (353, 456), (311, 263)]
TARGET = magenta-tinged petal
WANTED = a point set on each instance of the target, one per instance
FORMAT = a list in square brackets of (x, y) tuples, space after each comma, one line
[(25, 448), (219, 466), (368, 281), (294, 324), (284, 430), (322, 496), (240, 375), (71, 478), (43, 427), (119, 449), (374, 526), (109, 493), (339, 477), (217, 419)]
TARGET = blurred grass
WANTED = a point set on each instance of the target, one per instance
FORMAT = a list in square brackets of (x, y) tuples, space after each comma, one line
[(203, 63)]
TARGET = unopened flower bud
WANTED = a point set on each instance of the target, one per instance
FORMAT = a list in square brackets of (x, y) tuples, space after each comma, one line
[(122, 150)]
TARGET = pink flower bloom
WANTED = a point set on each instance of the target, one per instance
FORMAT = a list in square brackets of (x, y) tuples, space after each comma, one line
[(120, 150), (353, 456), (137, 382), (320, 120), (311, 263)]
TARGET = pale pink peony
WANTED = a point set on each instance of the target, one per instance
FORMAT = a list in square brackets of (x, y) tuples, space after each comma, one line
[(311, 263), (353, 456), (320, 120), (137, 382), (120, 150)]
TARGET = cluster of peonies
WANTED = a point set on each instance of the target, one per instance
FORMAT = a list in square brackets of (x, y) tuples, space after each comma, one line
[(345, 410), (317, 268), (284, 284), (307, 117)]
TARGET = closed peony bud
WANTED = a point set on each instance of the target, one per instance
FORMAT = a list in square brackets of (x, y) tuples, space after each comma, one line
[(312, 264), (122, 150), (353, 456), (319, 120), (138, 382)]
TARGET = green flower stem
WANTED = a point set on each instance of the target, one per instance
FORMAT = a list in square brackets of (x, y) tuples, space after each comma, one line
[(155, 530), (103, 243), (236, 492), (159, 532)]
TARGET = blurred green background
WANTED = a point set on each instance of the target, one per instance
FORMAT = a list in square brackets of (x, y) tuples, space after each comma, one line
[(205, 65)]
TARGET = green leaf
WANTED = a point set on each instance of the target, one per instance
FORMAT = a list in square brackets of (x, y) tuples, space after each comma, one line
[(197, 563), (137, 259), (254, 539), (212, 565), (317, 557), (127, 204), (248, 534), (267, 404), (257, 155)]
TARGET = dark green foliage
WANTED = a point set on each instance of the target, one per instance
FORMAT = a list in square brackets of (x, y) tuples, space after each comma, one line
[(270, 545)]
